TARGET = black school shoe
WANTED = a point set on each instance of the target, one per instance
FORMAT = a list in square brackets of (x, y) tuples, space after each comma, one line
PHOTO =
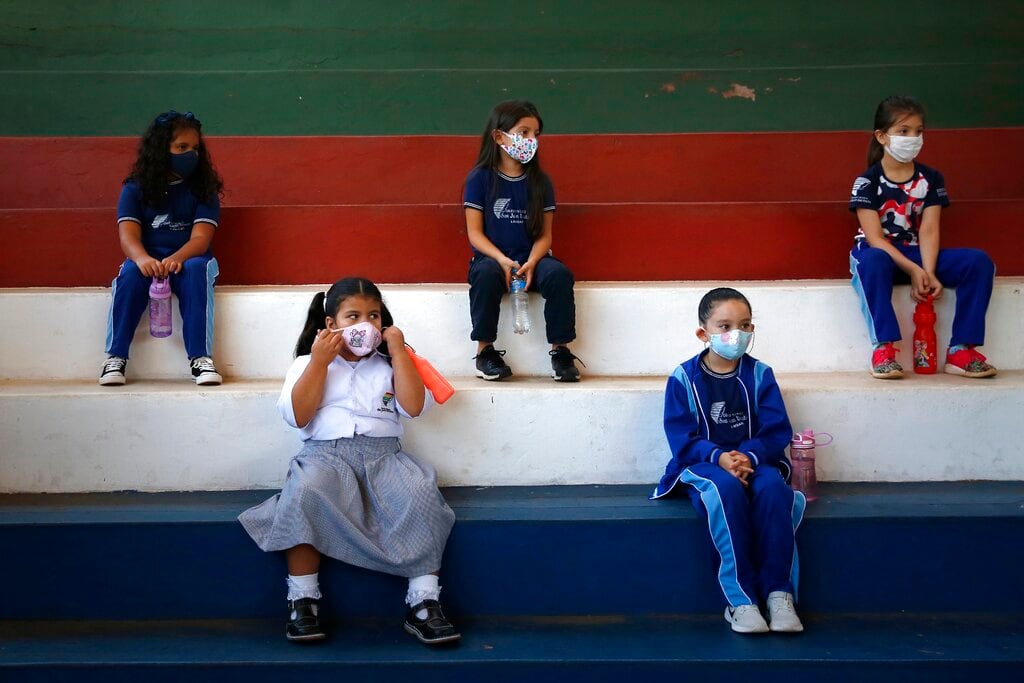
[(435, 629), (304, 620), (490, 365), (563, 369)]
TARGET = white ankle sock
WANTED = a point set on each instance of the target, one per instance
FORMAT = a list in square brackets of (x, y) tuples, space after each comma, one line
[(422, 588), (305, 586)]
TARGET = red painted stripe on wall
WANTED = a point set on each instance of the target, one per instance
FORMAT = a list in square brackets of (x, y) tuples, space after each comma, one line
[(620, 242), (269, 171)]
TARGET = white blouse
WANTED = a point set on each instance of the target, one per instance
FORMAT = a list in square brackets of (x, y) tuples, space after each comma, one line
[(356, 400)]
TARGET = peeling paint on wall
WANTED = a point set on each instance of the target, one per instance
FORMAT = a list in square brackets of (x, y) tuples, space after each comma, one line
[(740, 90)]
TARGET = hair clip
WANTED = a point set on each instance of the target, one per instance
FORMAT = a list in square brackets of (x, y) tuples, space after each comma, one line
[(169, 117)]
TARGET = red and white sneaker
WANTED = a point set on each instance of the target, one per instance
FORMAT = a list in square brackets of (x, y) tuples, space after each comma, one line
[(968, 363), (883, 362)]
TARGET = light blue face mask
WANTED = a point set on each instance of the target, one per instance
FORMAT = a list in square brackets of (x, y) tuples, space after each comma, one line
[(732, 344)]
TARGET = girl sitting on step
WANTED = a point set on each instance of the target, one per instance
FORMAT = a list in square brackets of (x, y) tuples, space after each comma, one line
[(898, 203), (510, 206), (166, 218), (727, 429), (351, 493)]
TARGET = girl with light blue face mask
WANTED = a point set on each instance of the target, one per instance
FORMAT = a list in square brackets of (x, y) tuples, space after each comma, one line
[(727, 330), (727, 430)]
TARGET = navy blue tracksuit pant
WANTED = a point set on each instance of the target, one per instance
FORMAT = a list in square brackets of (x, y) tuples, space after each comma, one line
[(970, 271), (753, 529), (194, 288), (551, 278)]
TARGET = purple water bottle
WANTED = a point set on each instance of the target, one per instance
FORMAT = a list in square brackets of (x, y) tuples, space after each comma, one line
[(801, 453), (160, 307)]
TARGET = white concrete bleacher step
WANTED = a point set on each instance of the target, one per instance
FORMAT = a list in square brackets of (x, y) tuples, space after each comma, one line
[(625, 329), (66, 436)]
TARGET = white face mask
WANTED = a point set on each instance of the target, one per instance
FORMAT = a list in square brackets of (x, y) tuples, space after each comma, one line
[(904, 148), (361, 339)]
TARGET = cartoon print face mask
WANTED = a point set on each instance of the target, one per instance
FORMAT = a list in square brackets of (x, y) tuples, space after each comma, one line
[(361, 339), (522, 149)]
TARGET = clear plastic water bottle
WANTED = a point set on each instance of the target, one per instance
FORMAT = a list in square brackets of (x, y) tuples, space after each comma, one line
[(160, 307), (520, 305), (801, 454)]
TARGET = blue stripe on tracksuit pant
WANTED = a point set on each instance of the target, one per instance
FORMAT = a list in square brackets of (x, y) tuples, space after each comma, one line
[(753, 529), (194, 288), (969, 271)]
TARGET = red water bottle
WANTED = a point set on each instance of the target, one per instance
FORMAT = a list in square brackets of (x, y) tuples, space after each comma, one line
[(433, 380), (925, 353)]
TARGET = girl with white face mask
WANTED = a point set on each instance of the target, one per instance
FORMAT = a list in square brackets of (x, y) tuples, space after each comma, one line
[(351, 493), (727, 430), (898, 202)]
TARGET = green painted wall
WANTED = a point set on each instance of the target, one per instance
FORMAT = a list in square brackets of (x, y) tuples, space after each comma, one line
[(323, 67)]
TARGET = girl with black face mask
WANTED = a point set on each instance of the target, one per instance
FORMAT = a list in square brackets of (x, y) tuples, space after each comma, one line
[(166, 218)]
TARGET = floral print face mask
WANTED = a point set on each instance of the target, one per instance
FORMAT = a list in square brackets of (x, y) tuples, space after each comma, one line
[(522, 149)]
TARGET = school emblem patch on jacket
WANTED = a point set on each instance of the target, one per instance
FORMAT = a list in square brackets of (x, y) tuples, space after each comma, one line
[(387, 399)]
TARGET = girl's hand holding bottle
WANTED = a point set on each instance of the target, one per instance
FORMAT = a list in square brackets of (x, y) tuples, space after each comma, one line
[(924, 284), (150, 267), (326, 347), (525, 271), (171, 264), (508, 265)]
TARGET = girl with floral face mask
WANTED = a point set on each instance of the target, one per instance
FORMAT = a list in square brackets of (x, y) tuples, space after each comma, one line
[(510, 206), (898, 203), (351, 493), (728, 430)]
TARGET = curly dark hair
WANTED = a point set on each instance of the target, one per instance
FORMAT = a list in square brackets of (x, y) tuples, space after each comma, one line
[(154, 160)]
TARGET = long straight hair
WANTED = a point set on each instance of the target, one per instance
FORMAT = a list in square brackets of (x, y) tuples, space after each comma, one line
[(890, 110), (504, 117), (327, 304)]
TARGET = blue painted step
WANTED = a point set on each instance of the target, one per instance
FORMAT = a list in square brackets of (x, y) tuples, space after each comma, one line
[(903, 648), (872, 548)]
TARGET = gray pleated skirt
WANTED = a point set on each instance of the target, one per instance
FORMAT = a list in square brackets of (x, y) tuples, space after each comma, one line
[(361, 501)]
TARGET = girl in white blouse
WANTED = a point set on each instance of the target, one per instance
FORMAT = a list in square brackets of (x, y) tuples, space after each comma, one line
[(352, 493)]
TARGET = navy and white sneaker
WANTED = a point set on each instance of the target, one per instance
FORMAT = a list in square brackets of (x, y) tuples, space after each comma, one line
[(563, 366), (112, 373), (490, 365), (204, 371)]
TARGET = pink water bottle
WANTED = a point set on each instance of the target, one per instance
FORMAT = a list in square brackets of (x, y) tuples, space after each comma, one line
[(160, 307), (801, 454)]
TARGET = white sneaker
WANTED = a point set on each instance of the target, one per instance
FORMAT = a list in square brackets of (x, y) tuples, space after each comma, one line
[(746, 619), (204, 371), (112, 373), (782, 613)]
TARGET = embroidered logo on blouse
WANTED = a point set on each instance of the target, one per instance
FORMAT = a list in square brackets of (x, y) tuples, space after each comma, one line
[(386, 399)]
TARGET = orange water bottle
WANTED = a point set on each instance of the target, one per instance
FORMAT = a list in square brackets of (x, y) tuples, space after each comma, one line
[(925, 352), (433, 380)]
